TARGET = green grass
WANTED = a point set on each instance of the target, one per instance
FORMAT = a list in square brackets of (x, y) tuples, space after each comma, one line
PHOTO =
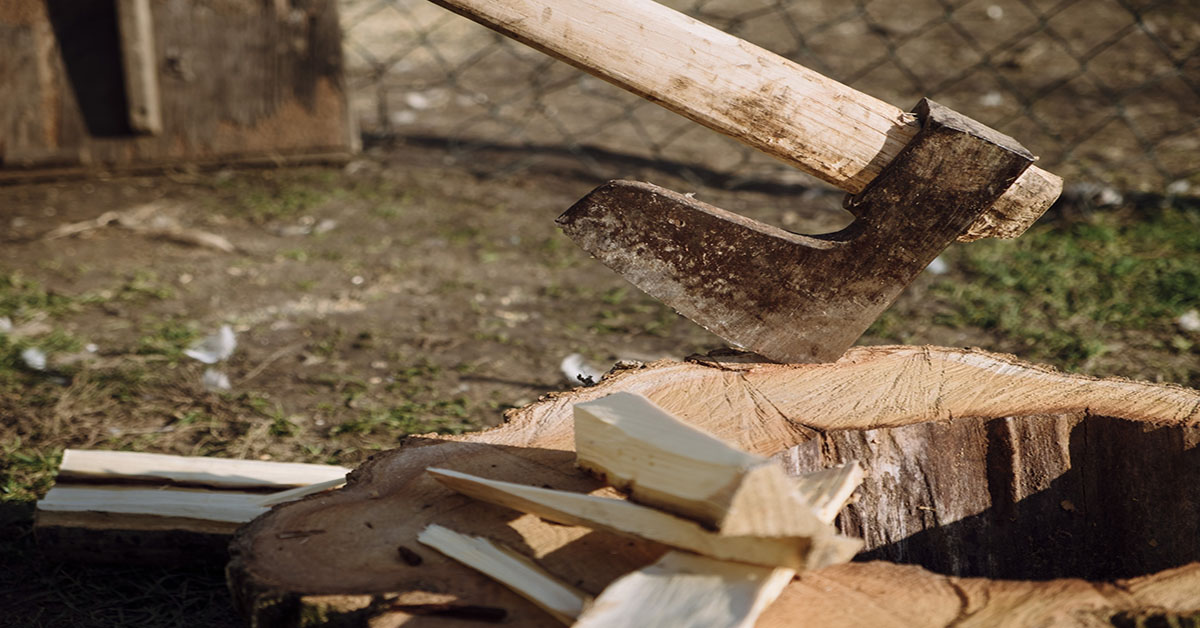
[(444, 416), (421, 412), (15, 374), (283, 427), (1073, 290), (144, 284), (280, 196), (168, 338), (26, 472), (21, 297)]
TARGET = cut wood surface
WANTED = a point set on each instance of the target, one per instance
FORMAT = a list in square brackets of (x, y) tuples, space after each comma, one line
[(897, 410), (622, 517), (869, 388), (683, 590), (515, 571), (671, 465), (775, 105), (886, 595)]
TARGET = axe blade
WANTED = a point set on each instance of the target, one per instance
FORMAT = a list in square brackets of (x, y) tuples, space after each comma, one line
[(791, 297)]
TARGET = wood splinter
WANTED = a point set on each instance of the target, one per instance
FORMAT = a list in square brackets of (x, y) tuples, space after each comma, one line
[(511, 569)]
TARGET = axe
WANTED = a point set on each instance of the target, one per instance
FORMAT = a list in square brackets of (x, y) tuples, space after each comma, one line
[(916, 181)]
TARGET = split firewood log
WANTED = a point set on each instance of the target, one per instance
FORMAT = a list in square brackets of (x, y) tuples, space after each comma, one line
[(977, 468), (130, 507)]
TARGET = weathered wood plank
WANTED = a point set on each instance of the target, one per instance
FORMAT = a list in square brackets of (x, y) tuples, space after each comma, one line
[(238, 81), (135, 25)]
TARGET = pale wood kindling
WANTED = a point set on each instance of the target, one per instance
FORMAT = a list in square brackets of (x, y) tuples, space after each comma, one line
[(129, 466), (141, 507), (224, 506), (661, 461), (511, 569), (623, 517)]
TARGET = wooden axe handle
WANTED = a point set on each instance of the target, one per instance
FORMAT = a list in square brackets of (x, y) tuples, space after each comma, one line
[(827, 129)]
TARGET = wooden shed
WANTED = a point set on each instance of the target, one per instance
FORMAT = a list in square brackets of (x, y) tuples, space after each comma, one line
[(119, 85)]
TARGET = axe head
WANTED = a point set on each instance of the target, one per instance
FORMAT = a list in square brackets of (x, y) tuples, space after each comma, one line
[(791, 297)]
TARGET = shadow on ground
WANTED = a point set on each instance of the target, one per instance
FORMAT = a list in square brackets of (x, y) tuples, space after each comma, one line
[(36, 591)]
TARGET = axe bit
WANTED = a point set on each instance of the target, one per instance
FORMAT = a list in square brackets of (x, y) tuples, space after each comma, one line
[(790, 298), (798, 298)]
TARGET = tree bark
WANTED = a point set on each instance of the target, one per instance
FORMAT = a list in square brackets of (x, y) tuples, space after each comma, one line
[(977, 466)]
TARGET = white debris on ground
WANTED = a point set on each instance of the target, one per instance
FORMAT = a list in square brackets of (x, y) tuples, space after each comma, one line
[(577, 371), (215, 380), (307, 225), (210, 350), (1178, 188), (1086, 194), (938, 266), (5, 324), (34, 358), (1189, 320), (214, 348)]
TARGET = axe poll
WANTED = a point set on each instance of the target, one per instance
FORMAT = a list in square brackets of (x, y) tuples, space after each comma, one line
[(787, 297)]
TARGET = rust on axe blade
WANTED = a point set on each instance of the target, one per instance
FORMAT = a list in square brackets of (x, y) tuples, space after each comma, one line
[(799, 298)]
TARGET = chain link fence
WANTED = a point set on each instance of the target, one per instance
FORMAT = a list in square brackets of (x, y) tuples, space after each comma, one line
[(1107, 92)]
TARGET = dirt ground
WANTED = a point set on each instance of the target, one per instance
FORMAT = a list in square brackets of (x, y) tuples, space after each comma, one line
[(387, 296), (352, 290)]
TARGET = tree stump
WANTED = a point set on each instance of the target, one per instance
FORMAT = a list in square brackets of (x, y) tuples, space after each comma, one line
[(996, 493)]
